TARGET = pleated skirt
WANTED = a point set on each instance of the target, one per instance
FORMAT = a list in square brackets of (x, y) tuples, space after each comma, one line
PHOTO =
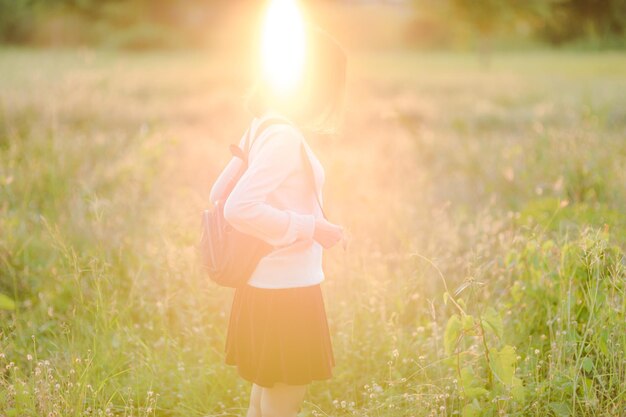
[(279, 336)]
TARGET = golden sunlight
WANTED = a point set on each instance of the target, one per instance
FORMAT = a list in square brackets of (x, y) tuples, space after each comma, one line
[(283, 45)]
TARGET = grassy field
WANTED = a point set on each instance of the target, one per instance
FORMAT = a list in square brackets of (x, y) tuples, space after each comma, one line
[(487, 211)]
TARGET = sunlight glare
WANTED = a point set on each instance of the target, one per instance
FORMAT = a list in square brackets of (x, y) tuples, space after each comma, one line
[(283, 45)]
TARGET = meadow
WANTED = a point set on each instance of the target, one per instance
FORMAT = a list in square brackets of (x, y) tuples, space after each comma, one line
[(486, 207)]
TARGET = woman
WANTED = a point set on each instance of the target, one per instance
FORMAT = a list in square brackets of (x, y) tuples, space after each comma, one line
[(278, 332)]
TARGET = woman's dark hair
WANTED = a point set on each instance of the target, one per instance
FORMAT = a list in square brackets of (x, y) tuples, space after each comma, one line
[(317, 102)]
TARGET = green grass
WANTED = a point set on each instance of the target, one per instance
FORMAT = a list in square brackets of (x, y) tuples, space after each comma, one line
[(487, 209)]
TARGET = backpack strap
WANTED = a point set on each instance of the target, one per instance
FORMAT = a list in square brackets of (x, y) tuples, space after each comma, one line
[(248, 142), (244, 153)]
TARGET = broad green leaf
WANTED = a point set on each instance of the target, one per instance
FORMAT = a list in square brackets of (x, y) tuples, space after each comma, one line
[(6, 303), (471, 384), (468, 323), (452, 333), (503, 364), (518, 391), (587, 364), (475, 392), (493, 321), (472, 409), (560, 409), (467, 377)]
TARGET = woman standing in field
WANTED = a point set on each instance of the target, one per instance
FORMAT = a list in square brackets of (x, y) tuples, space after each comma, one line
[(278, 333)]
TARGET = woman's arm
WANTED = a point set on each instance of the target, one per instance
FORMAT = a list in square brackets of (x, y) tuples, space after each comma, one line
[(246, 208)]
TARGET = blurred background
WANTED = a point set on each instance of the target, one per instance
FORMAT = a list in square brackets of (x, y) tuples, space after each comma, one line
[(423, 24)]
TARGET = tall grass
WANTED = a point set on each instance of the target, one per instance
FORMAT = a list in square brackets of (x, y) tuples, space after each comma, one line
[(485, 275)]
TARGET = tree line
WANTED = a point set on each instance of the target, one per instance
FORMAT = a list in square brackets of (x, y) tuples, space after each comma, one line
[(551, 21), (437, 23)]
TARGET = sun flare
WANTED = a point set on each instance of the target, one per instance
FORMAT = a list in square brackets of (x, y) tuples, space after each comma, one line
[(283, 45)]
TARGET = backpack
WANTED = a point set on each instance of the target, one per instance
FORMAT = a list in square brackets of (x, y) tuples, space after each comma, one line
[(228, 255)]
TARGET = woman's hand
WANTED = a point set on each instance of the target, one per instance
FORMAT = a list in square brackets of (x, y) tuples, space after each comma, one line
[(327, 233)]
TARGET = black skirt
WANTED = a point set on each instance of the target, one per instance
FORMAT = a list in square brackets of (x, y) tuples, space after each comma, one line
[(279, 336)]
